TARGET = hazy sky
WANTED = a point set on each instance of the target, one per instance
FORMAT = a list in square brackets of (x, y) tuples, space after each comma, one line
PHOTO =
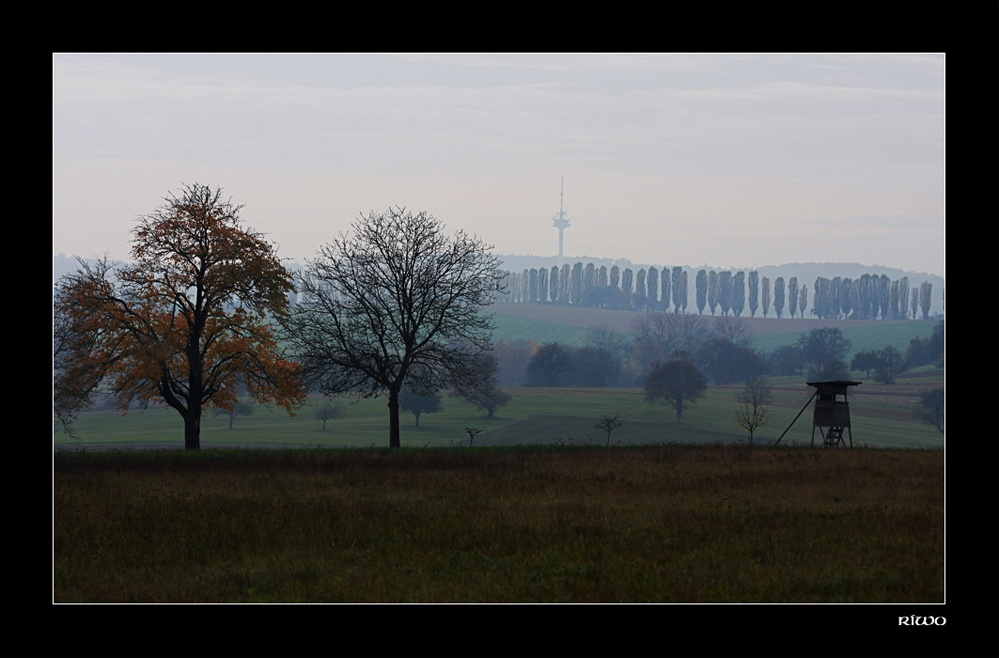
[(720, 160)]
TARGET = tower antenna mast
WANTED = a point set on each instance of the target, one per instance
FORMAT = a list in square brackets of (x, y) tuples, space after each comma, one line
[(560, 221)]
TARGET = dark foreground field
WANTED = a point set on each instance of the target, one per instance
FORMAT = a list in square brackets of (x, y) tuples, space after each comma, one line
[(564, 524)]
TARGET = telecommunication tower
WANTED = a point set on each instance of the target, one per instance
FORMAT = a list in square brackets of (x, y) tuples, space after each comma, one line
[(560, 221)]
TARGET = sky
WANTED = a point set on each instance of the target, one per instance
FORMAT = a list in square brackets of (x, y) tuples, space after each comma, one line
[(730, 161)]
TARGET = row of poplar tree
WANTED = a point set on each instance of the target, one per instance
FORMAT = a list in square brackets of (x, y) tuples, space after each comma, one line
[(868, 297)]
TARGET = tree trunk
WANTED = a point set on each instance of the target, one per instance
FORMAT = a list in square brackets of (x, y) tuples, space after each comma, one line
[(393, 406), (192, 422), (192, 430)]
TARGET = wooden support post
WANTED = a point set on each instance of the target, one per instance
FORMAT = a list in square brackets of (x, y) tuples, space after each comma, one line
[(796, 418)]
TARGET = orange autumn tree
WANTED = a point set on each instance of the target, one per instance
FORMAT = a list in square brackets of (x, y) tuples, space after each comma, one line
[(187, 323)]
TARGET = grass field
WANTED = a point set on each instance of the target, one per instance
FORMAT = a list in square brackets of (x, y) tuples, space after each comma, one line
[(881, 416), (546, 323), (547, 523)]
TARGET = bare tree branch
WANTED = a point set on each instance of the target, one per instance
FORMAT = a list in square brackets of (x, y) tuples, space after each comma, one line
[(397, 302)]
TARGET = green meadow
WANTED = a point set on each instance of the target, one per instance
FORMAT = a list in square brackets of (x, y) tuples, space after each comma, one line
[(866, 337), (881, 416)]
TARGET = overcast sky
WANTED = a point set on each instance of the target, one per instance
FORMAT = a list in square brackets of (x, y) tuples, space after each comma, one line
[(722, 160)]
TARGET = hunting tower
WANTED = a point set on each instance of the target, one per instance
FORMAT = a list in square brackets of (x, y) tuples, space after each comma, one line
[(832, 412)]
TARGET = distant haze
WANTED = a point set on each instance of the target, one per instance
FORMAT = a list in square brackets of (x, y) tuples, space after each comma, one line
[(739, 160)]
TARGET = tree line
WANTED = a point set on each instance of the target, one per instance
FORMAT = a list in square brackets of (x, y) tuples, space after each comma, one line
[(870, 296), (721, 352)]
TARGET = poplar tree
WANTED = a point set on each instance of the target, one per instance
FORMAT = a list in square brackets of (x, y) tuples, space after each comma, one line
[(725, 291), (667, 287), (738, 293), (626, 285), (713, 286), (683, 287), (701, 288), (779, 297), (653, 284), (835, 295), (754, 292), (893, 300), (765, 296), (903, 297), (846, 297), (884, 296), (677, 271), (576, 285), (792, 295), (589, 278), (925, 293), (639, 296)]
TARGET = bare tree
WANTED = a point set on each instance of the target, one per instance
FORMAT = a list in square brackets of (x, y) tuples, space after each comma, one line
[(733, 329), (239, 409), (484, 392), (419, 401), (757, 393), (397, 302), (328, 410), (661, 336), (750, 420), (890, 363), (604, 337), (609, 424)]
